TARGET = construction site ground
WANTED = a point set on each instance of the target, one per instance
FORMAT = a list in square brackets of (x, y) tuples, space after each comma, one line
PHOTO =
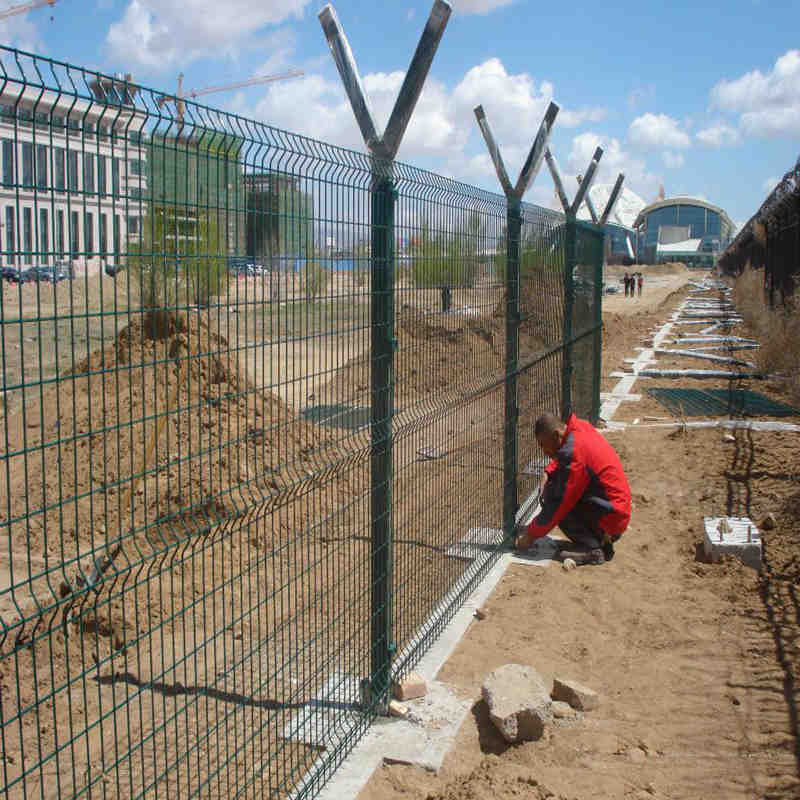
[(696, 663)]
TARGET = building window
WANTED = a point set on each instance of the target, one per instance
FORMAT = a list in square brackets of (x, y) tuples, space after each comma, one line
[(8, 162), (27, 235), (136, 193), (88, 173), (11, 244), (44, 242), (101, 176), (25, 117), (88, 233), (115, 176), (103, 235), (72, 170), (74, 230), (59, 233), (41, 166), (136, 167), (58, 159), (133, 226), (57, 121), (27, 164)]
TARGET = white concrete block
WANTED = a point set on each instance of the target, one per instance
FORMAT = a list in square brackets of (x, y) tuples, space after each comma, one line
[(732, 536)]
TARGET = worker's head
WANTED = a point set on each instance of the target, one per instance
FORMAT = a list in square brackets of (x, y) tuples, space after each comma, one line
[(549, 431)]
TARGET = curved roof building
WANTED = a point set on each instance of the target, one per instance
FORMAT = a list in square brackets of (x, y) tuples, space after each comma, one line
[(682, 229)]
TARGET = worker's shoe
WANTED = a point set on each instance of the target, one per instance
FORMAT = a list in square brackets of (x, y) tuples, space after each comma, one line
[(582, 558), (608, 549)]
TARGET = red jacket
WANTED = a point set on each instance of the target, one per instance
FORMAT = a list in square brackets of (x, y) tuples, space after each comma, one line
[(585, 465)]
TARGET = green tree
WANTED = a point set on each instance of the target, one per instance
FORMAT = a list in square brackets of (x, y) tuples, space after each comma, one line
[(180, 256), (444, 258), (204, 263)]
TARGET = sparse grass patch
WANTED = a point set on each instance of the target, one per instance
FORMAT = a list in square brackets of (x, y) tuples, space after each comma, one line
[(777, 329)]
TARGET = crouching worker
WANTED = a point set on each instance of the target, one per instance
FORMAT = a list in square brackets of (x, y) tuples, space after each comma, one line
[(584, 491)]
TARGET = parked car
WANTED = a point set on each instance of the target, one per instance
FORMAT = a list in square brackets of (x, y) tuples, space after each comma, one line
[(11, 274), (44, 274)]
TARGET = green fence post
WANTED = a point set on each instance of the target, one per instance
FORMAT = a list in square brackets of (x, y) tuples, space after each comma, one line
[(510, 502), (514, 195), (570, 259), (597, 348), (382, 389)]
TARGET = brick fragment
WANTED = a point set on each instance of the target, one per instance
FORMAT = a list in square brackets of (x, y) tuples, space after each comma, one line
[(411, 687), (576, 694)]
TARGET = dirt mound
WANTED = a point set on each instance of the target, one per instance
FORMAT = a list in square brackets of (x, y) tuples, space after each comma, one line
[(437, 354), (491, 780), (673, 298), (162, 429)]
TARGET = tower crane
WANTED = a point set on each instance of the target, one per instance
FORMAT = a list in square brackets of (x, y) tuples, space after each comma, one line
[(21, 9), (179, 96)]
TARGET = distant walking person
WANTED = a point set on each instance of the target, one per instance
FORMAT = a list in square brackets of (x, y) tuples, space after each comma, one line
[(627, 283), (640, 281)]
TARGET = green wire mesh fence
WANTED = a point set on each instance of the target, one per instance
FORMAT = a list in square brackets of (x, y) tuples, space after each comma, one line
[(188, 484)]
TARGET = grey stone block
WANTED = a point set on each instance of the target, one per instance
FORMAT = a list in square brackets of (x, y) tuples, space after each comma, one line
[(518, 701), (576, 694)]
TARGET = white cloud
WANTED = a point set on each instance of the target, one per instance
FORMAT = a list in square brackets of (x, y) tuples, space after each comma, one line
[(522, 100), (672, 160), (154, 34), (657, 132), (772, 123), (318, 107), (769, 104), (479, 6), (615, 160), (19, 31), (770, 183), (442, 130), (718, 135)]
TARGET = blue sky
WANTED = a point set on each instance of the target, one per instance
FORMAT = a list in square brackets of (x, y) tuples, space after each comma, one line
[(701, 100)]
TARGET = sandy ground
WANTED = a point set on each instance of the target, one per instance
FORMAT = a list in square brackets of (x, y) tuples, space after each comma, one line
[(695, 663), (218, 531)]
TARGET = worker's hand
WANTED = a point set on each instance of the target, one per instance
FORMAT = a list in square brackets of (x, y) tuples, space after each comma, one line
[(522, 539)]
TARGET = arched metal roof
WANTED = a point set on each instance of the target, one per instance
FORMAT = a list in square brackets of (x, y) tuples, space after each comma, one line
[(680, 201)]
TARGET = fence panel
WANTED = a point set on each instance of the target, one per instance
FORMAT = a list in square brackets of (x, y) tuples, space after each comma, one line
[(770, 240), (449, 373), (192, 593), (185, 583), (587, 321), (542, 308)]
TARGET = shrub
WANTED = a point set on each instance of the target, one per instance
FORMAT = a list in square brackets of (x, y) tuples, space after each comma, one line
[(314, 279), (168, 273), (442, 260), (777, 329)]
